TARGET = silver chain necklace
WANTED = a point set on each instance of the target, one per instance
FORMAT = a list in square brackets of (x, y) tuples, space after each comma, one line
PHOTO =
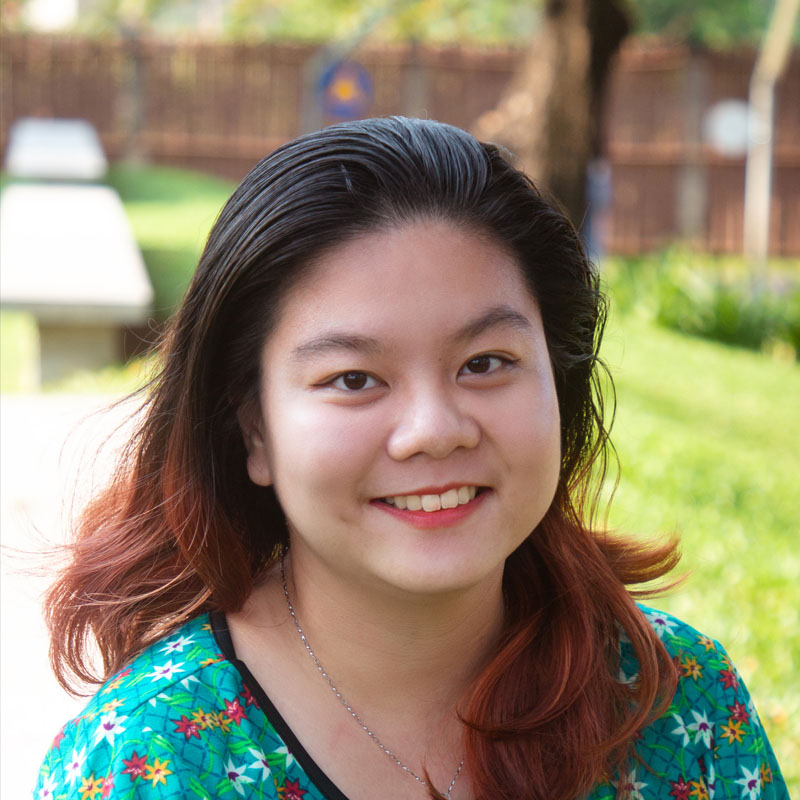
[(344, 702)]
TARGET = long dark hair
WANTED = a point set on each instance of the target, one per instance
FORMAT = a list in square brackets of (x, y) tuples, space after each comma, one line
[(181, 528)]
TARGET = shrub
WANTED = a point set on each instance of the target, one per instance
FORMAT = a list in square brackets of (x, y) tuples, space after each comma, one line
[(711, 297)]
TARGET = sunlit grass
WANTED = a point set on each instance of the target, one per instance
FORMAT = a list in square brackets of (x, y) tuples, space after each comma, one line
[(19, 352), (115, 379), (707, 437)]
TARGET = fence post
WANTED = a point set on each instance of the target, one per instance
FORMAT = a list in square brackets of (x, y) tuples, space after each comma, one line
[(758, 172), (131, 97), (415, 96), (692, 189)]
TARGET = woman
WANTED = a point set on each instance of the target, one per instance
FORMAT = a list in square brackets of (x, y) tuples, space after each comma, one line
[(349, 553)]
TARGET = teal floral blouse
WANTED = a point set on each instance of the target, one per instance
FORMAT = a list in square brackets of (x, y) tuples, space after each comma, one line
[(186, 719)]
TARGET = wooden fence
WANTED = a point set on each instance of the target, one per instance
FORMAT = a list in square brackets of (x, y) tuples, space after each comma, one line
[(219, 107)]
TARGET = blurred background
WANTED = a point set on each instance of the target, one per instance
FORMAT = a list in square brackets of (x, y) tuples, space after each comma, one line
[(668, 129)]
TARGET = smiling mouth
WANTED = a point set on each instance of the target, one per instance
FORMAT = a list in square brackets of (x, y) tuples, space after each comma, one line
[(452, 498)]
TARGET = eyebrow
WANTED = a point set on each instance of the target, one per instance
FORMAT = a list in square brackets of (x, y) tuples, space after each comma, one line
[(495, 317), (335, 341), (501, 316)]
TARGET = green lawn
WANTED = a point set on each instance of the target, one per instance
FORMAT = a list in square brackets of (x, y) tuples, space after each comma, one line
[(171, 212), (708, 438), (19, 352)]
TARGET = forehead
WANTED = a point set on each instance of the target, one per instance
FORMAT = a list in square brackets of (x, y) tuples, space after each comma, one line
[(425, 273)]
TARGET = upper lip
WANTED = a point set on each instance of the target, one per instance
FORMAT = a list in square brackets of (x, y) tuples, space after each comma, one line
[(433, 489)]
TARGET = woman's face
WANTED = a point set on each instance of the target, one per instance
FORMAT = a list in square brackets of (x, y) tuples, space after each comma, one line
[(408, 417)]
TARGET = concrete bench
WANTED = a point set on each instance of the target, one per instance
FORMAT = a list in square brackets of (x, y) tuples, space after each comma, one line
[(68, 257), (54, 149)]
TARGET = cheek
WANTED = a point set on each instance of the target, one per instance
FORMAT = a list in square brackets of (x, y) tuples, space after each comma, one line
[(318, 447), (542, 451), (532, 432)]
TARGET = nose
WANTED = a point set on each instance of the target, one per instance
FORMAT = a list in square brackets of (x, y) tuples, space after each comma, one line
[(432, 422)]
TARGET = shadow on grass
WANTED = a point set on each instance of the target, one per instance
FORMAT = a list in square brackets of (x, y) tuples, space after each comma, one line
[(137, 184), (170, 270)]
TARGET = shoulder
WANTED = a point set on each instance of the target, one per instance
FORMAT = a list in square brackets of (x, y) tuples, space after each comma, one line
[(697, 657), (710, 737), (187, 662), (178, 721), (709, 684), (687, 645)]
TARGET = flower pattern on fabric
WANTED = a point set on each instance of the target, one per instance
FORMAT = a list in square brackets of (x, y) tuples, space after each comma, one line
[(709, 744), (180, 722)]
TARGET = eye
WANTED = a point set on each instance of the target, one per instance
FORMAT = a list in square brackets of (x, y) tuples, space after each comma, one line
[(353, 381), (481, 365)]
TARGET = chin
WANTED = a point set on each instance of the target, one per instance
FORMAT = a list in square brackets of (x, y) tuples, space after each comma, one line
[(442, 577)]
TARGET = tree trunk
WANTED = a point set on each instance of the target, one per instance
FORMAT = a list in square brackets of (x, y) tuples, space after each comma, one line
[(550, 117)]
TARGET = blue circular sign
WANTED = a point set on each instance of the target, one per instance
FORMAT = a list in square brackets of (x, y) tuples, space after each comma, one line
[(345, 90)]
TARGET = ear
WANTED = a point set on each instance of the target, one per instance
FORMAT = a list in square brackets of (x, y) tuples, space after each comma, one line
[(251, 423)]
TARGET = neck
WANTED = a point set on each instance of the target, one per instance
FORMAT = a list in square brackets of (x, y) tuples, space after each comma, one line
[(388, 646)]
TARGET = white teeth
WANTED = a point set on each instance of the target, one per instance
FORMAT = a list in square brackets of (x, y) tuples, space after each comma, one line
[(450, 498), (433, 502), (414, 502)]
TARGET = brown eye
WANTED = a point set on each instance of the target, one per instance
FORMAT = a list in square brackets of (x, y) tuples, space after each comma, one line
[(486, 365), (354, 380), (479, 364)]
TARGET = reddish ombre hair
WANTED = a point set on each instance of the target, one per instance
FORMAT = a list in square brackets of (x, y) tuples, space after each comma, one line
[(181, 529)]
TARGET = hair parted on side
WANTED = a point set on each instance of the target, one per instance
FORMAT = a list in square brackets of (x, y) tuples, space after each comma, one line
[(181, 528)]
